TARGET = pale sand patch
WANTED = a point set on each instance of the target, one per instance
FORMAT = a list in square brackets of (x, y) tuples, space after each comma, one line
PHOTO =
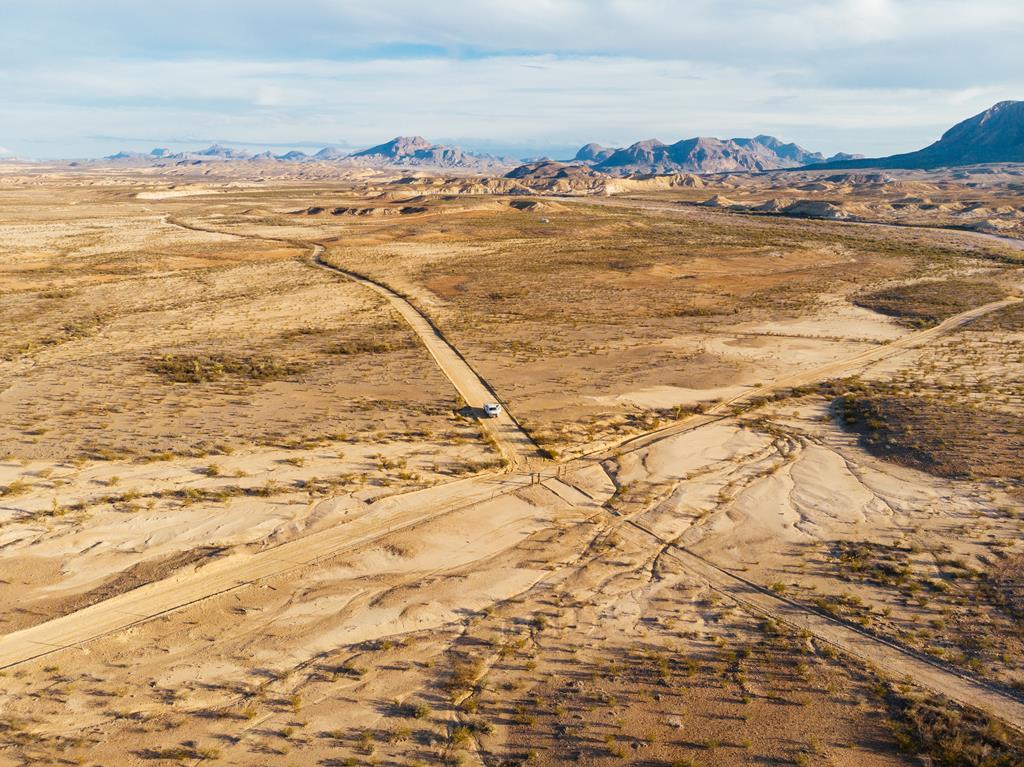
[(669, 396), (420, 579), (687, 453), (114, 540), (170, 194), (836, 318), (761, 352), (594, 481)]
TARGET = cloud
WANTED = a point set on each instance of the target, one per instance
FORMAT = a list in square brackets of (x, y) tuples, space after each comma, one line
[(855, 75), (742, 30)]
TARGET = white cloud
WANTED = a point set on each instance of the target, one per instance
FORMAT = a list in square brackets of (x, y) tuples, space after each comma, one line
[(856, 75), (563, 99)]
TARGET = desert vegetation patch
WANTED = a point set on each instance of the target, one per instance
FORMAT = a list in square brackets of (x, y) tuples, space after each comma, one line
[(924, 304), (929, 433)]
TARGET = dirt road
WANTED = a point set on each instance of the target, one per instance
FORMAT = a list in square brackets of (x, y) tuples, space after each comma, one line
[(511, 439), (385, 517), (893, 660), (515, 444), (402, 512), (837, 369)]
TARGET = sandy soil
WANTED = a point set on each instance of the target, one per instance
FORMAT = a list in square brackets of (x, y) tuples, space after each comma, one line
[(289, 542)]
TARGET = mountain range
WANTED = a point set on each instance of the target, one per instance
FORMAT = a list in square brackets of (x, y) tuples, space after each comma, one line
[(995, 135), (700, 155), (401, 150), (416, 150)]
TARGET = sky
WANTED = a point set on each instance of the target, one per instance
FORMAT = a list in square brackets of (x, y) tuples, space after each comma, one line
[(83, 78)]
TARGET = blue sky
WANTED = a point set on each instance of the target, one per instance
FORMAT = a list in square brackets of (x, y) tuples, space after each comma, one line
[(87, 77)]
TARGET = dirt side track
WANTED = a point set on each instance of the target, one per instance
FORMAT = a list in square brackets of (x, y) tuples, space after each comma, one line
[(406, 511)]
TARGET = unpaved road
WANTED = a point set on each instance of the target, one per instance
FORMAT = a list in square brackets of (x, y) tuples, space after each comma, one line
[(387, 516), (835, 369), (514, 442), (405, 511), (893, 660), (401, 512), (671, 207)]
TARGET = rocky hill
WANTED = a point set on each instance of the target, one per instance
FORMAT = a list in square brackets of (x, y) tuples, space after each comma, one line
[(400, 151), (993, 136), (330, 153), (416, 150), (698, 155), (223, 152), (593, 153), (552, 176)]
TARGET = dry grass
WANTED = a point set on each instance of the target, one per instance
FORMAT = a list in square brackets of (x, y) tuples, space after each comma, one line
[(199, 368), (935, 728), (1009, 319), (929, 433), (925, 304), (601, 649), (366, 346), (593, 302)]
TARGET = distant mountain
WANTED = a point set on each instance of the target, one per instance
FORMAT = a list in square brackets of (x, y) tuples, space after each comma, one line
[(398, 148), (402, 150), (223, 152), (770, 146), (216, 152), (844, 156), (330, 153), (698, 155), (416, 150), (123, 155), (593, 153), (995, 135)]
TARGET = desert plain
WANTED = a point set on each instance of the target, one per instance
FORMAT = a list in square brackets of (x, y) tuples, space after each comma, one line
[(756, 495)]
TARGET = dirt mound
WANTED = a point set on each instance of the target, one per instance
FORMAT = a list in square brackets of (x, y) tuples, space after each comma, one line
[(860, 179), (536, 206), (994, 225), (816, 209), (653, 182), (774, 205), (718, 201), (365, 211)]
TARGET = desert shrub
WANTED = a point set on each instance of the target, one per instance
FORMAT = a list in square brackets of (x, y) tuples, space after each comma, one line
[(200, 368), (17, 487), (365, 346), (948, 439), (951, 736), (927, 303), (1011, 318)]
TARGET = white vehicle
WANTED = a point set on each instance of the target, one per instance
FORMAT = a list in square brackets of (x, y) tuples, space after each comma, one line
[(492, 409)]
